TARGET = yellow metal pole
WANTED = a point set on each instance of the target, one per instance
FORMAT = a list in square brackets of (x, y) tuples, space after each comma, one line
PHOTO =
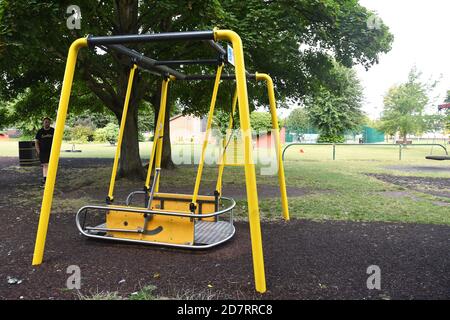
[(208, 129), (56, 149), (163, 105), (250, 176), (223, 156), (121, 130), (158, 131), (273, 112)]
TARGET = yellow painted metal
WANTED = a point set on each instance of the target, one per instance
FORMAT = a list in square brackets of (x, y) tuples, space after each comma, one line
[(276, 131), (250, 175), (56, 148), (163, 106), (164, 229), (223, 158), (159, 129), (207, 132), (121, 130), (183, 196)]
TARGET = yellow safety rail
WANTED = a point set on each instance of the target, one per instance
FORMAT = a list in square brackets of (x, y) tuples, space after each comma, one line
[(205, 141), (121, 130)]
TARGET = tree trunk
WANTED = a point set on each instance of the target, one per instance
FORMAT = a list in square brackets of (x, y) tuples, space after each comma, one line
[(130, 160), (166, 158)]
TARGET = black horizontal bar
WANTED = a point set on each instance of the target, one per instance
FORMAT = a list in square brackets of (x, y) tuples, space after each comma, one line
[(180, 62), (145, 62), (136, 38), (225, 76), (217, 47)]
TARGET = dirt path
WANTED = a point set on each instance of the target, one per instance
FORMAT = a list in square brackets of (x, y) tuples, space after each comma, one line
[(435, 186), (303, 260)]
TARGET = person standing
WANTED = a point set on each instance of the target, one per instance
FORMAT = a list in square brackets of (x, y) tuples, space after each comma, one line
[(43, 145)]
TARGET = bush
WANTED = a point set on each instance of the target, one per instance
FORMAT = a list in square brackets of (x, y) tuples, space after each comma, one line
[(112, 132), (82, 134), (100, 135), (332, 138)]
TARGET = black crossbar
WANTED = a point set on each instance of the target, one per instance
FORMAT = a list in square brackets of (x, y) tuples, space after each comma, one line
[(139, 38)]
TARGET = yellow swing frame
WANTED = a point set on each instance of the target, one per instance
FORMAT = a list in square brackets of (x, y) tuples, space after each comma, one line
[(244, 114)]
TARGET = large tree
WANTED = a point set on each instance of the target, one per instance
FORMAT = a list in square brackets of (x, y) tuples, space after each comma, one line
[(336, 109), (34, 40), (404, 106), (298, 120)]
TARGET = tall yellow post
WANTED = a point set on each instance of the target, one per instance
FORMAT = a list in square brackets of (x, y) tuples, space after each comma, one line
[(121, 130), (56, 149), (250, 175), (276, 131), (159, 148), (159, 129)]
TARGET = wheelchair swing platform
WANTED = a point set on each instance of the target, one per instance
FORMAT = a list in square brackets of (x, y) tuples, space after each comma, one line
[(171, 226)]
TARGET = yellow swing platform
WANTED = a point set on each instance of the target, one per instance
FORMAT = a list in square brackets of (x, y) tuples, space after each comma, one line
[(189, 221)]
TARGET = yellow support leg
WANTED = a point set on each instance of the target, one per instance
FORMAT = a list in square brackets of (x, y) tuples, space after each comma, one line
[(56, 149), (250, 176), (222, 159), (159, 148), (121, 130), (159, 129), (276, 130), (208, 129)]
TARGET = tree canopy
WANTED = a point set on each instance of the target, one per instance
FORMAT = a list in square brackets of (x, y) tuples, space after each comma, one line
[(294, 41), (298, 120), (337, 108), (404, 107)]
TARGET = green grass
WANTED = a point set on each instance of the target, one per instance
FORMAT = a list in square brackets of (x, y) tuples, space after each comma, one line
[(339, 190)]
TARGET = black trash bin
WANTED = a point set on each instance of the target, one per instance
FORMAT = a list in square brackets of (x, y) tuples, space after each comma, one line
[(27, 154)]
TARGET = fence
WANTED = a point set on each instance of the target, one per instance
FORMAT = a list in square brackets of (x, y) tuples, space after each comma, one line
[(400, 146)]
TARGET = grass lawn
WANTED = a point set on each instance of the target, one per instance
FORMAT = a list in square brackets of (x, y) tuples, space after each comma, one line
[(340, 189)]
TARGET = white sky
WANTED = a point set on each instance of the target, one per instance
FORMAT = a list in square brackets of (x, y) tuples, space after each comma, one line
[(421, 30)]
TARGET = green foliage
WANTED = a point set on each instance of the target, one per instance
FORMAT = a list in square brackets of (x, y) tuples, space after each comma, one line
[(404, 105), (109, 133), (337, 110), (81, 133), (146, 293), (298, 120), (331, 138), (261, 121), (272, 32)]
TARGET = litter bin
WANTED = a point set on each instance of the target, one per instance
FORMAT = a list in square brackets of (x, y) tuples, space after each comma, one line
[(27, 154)]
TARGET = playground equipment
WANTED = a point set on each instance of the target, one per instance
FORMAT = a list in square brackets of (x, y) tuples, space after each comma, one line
[(177, 220), (440, 158)]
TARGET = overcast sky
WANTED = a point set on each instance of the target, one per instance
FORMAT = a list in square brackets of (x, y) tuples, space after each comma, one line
[(421, 30)]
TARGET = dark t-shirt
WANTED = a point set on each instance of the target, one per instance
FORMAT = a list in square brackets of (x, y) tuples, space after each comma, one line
[(45, 138)]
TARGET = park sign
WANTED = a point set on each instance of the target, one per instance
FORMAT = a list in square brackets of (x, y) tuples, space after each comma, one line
[(230, 55)]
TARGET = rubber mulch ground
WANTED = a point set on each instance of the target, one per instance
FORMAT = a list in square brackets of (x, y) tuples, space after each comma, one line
[(303, 260)]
